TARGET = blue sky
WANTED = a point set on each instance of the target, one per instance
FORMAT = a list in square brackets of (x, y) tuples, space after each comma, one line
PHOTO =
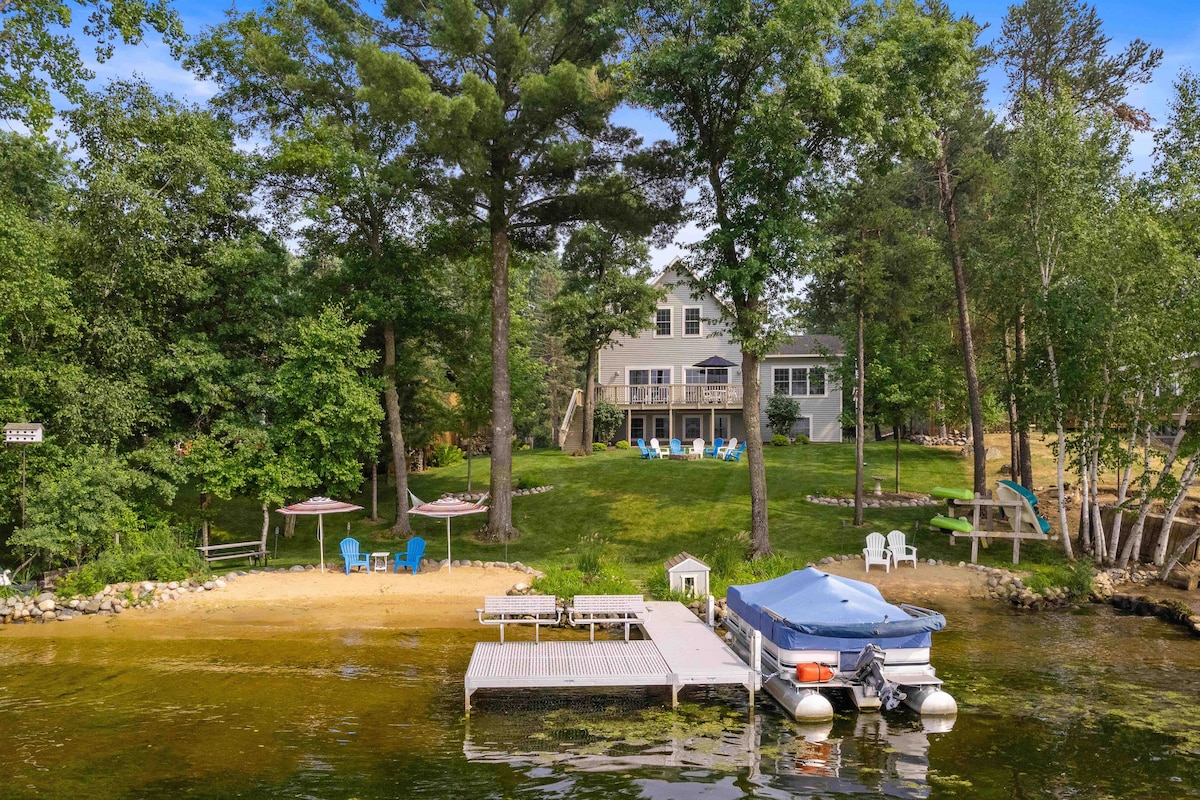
[(1173, 25)]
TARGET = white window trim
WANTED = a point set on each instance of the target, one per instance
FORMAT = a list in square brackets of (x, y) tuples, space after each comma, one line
[(650, 367), (670, 335), (807, 382), (683, 330)]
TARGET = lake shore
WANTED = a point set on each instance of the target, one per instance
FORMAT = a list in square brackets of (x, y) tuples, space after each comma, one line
[(261, 605)]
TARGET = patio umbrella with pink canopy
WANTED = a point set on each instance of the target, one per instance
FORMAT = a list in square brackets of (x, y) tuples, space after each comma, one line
[(319, 506), (445, 508)]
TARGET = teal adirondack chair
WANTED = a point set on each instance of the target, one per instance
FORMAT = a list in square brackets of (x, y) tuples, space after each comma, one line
[(676, 447), (736, 455), (352, 557), (712, 451), (411, 558)]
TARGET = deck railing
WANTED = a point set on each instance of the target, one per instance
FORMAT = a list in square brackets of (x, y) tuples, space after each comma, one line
[(666, 395)]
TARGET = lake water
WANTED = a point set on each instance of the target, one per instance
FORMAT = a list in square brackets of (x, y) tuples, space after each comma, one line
[(1084, 704)]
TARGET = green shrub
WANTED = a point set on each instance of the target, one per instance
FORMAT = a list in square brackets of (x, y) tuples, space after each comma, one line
[(599, 447), (1077, 578), (566, 582), (606, 421), (81, 581), (728, 553), (782, 413), (803, 439), (591, 552), (622, 445), (526, 447), (445, 455), (779, 440)]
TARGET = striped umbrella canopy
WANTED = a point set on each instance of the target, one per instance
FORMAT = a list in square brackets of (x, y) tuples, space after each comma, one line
[(319, 507), (445, 508)]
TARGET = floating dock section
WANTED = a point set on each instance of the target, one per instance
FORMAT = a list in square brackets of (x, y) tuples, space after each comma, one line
[(679, 650)]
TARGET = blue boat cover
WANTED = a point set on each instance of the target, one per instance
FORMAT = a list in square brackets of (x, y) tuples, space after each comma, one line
[(820, 611)]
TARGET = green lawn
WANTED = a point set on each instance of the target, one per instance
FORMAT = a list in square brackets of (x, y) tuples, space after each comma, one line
[(646, 511)]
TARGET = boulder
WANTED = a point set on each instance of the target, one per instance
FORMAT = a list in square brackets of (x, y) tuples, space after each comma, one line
[(993, 454), (46, 605), (297, 568)]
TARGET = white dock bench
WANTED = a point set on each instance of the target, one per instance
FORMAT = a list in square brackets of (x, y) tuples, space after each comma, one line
[(535, 609), (681, 651), (605, 609)]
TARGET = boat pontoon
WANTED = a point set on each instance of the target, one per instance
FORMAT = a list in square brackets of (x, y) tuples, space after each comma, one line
[(827, 635)]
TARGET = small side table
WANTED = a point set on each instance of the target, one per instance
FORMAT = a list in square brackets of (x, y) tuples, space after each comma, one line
[(379, 562)]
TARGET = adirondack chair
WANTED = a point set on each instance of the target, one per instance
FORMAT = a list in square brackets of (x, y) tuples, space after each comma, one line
[(712, 451), (411, 557), (900, 550), (722, 452), (697, 446), (876, 552), (352, 557), (656, 448), (736, 455), (646, 451), (676, 447), (6, 578)]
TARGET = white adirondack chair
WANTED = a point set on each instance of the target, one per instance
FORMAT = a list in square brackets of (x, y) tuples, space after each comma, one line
[(5, 579), (658, 451), (729, 447), (901, 551), (698, 446), (876, 552)]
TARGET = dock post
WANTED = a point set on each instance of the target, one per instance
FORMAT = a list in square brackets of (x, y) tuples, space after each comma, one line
[(755, 663), (711, 615), (674, 696)]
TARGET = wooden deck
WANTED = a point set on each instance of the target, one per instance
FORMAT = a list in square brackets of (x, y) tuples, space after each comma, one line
[(680, 651)]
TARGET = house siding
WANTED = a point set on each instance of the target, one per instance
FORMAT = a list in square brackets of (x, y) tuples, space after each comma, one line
[(679, 352)]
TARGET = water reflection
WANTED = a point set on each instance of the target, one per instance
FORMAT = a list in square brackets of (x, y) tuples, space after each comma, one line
[(1083, 705)]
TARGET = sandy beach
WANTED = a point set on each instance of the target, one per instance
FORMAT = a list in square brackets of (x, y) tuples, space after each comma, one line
[(261, 605)]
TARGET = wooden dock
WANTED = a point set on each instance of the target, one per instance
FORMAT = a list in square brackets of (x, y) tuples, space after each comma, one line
[(679, 651)]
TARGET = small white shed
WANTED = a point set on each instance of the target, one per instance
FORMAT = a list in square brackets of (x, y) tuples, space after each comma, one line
[(688, 574), (23, 433)]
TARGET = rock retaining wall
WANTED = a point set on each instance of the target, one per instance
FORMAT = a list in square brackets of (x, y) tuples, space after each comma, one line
[(869, 501)]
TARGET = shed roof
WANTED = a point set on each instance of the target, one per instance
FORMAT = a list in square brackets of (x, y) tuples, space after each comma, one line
[(675, 561)]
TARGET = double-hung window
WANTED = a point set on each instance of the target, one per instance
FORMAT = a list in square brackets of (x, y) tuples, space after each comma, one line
[(691, 320), (799, 381), (662, 322)]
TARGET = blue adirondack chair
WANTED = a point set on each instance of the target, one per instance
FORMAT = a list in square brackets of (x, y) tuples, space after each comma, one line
[(712, 451), (411, 558), (676, 447), (736, 455), (646, 451), (352, 557)]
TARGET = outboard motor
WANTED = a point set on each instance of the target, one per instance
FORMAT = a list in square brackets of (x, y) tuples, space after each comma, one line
[(869, 670)]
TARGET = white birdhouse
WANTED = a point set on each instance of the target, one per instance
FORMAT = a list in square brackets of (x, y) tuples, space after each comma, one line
[(23, 433), (688, 574)]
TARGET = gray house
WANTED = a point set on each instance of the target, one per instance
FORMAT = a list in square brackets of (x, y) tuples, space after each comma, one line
[(681, 378)]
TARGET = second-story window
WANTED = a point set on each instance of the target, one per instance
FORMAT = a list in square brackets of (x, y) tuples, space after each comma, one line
[(662, 322), (691, 321)]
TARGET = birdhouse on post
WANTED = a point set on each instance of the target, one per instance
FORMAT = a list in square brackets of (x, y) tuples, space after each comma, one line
[(688, 574), (23, 433)]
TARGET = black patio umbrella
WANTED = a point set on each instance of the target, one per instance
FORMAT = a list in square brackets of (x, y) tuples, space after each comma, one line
[(715, 361)]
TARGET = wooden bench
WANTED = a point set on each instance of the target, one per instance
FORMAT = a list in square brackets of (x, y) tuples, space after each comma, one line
[(605, 609), (534, 609), (255, 551)]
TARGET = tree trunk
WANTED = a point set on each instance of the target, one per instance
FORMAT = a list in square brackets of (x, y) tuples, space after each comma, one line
[(1085, 506), (1114, 540), (760, 538), (374, 489), (1185, 485), (860, 427), (950, 211), (589, 403), (1026, 463), (289, 527), (470, 452), (499, 525), (205, 502), (401, 526), (896, 437), (266, 526), (1014, 440), (1060, 482), (1134, 542)]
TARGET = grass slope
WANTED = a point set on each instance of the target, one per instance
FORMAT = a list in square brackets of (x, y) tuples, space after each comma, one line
[(646, 511)]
